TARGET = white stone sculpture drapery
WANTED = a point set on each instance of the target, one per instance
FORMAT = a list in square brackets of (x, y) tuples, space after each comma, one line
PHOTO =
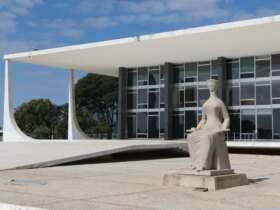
[(206, 143)]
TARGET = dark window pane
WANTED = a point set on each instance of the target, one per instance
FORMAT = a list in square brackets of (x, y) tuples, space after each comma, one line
[(275, 59), (263, 68), (131, 127), (276, 123), (234, 122), (142, 96), (232, 70), (132, 78), (142, 76), (190, 120), (162, 122), (153, 100), (142, 122), (131, 101), (233, 96), (263, 95), (275, 89), (178, 97), (203, 73), (247, 67), (276, 73), (162, 97), (215, 70), (178, 126), (179, 74), (264, 128), (190, 96), (247, 94), (203, 95), (191, 72), (153, 127), (248, 123), (153, 77)]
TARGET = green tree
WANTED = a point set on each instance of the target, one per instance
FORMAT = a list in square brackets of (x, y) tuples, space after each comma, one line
[(37, 118), (96, 98)]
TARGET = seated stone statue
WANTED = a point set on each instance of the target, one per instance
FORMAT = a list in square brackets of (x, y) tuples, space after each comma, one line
[(206, 142)]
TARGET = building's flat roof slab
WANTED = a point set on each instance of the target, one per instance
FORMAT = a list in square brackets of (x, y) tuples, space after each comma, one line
[(242, 38), (37, 154)]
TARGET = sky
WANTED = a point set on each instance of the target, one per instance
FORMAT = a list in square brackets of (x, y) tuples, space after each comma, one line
[(37, 24)]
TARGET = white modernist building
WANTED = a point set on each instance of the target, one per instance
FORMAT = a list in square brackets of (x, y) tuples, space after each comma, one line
[(162, 80)]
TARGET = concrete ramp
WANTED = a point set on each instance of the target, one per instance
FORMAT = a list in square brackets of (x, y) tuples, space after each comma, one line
[(38, 154)]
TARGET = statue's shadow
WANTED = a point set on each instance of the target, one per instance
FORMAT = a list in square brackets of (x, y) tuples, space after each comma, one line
[(253, 181)]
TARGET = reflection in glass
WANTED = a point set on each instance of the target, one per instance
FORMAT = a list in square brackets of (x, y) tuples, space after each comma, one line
[(142, 122), (179, 74), (215, 70), (131, 127), (233, 96), (178, 97), (131, 101), (154, 77), (264, 120), (162, 98), (247, 67), (263, 95), (203, 95), (162, 121), (276, 89), (142, 76), (235, 122), (153, 100), (275, 59), (153, 127), (248, 123), (262, 68), (178, 126), (190, 96), (232, 70), (190, 119), (132, 78), (203, 73), (247, 94), (142, 98), (276, 123), (191, 72)]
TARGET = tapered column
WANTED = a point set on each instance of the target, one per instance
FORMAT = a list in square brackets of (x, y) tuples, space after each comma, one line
[(168, 73), (11, 131), (74, 130), (222, 71), (122, 104)]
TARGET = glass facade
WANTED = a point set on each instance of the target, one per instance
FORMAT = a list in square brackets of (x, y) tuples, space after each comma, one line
[(251, 91), (145, 104)]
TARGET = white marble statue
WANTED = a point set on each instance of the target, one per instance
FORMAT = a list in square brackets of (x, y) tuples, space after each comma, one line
[(206, 142)]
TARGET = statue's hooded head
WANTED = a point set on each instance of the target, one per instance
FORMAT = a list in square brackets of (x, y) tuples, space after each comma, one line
[(212, 85)]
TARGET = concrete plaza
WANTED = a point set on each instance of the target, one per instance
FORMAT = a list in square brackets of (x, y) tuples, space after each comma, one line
[(137, 185)]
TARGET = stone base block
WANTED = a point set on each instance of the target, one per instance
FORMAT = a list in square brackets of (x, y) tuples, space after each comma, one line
[(205, 180)]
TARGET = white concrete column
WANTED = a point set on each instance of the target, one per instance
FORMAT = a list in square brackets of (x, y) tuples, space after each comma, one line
[(11, 132), (74, 130)]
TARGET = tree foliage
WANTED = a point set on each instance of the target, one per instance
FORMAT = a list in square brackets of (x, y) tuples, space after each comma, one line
[(96, 98), (37, 118)]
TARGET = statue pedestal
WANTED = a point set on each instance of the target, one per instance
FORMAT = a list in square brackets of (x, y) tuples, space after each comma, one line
[(209, 179)]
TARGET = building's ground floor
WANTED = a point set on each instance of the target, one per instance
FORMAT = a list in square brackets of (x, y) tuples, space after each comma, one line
[(164, 101)]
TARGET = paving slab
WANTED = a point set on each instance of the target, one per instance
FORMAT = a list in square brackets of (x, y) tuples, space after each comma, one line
[(138, 185), (36, 154)]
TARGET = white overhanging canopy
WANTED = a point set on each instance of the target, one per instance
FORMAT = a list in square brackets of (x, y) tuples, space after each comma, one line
[(242, 38)]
